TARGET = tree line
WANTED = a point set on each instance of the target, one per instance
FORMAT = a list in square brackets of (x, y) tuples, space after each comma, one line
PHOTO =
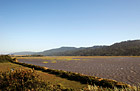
[(126, 48)]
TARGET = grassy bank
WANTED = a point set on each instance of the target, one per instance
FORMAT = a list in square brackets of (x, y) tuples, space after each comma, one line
[(26, 80), (44, 76)]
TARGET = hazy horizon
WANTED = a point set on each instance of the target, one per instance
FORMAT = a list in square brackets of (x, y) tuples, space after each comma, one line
[(51, 48), (64, 46), (34, 25)]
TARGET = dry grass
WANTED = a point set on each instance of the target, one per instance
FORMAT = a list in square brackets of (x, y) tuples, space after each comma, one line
[(62, 58), (97, 88), (68, 58), (45, 62), (45, 76), (53, 61)]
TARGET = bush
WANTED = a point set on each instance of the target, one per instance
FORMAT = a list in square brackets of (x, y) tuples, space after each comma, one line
[(23, 80), (5, 58)]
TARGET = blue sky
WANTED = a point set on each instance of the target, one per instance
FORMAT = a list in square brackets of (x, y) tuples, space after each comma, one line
[(38, 25)]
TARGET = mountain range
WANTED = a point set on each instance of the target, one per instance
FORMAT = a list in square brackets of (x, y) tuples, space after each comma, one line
[(23, 53), (125, 48)]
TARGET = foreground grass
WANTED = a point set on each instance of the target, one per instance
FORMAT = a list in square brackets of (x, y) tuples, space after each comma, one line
[(97, 88), (44, 76), (26, 80)]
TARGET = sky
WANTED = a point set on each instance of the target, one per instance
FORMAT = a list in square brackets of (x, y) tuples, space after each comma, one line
[(38, 25)]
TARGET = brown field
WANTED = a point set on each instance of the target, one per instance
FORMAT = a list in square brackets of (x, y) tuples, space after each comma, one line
[(123, 69)]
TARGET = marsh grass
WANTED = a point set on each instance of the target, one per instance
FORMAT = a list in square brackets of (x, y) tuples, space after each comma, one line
[(45, 62), (53, 61), (69, 58), (58, 58), (97, 88)]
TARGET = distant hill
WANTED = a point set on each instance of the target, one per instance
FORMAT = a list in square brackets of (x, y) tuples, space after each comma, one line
[(64, 51), (23, 53), (125, 48), (56, 51)]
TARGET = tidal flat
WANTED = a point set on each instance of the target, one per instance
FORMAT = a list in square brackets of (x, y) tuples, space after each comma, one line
[(122, 69)]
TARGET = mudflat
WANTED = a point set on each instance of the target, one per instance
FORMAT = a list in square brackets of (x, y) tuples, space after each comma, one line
[(123, 69)]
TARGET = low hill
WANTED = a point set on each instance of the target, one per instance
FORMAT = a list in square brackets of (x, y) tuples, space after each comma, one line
[(23, 53), (57, 51), (125, 48)]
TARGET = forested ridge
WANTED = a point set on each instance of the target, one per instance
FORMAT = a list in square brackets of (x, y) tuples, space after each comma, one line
[(125, 48)]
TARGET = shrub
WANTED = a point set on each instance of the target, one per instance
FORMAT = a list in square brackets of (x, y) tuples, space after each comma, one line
[(23, 80), (5, 58), (107, 83)]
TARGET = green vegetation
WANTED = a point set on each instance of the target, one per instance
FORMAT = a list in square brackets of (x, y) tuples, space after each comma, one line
[(97, 88), (5, 58), (55, 51), (55, 80), (126, 48), (23, 80), (51, 58), (53, 61), (45, 62)]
